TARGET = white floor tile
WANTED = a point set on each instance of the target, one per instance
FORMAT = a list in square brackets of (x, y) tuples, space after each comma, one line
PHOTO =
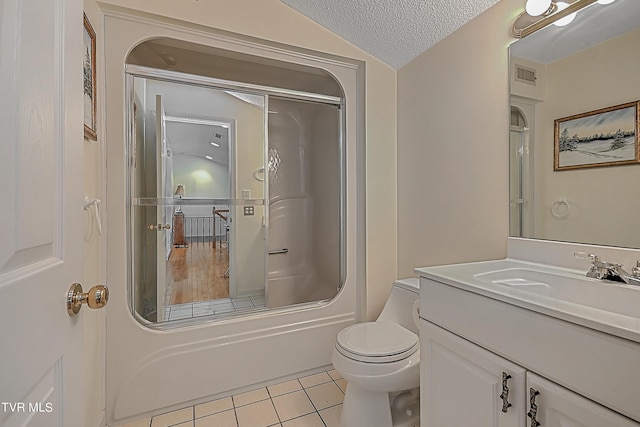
[(221, 419), (180, 313), (285, 387), (242, 303), (311, 420), (182, 306), (214, 407), (260, 414), (145, 422), (250, 397), (293, 405), (325, 395), (202, 311), (258, 301), (331, 416), (173, 418), (335, 375), (316, 379), (223, 308), (312, 401)]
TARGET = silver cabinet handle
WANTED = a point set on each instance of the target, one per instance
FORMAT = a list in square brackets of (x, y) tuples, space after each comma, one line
[(533, 412), (505, 392)]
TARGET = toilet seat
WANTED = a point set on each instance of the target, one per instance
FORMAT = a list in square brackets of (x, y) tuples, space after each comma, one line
[(377, 342)]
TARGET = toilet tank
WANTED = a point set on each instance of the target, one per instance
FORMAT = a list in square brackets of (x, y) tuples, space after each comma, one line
[(400, 303)]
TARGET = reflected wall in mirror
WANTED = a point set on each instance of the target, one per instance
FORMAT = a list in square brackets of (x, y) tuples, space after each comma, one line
[(235, 207), (559, 72)]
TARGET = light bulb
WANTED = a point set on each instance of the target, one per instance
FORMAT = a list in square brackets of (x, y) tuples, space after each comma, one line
[(605, 1), (537, 7), (567, 19)]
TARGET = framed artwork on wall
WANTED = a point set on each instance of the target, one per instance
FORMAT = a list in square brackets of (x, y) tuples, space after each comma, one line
[(89, 73), (605, 137)]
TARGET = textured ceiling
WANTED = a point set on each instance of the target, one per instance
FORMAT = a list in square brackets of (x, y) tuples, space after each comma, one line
[(395, 31)]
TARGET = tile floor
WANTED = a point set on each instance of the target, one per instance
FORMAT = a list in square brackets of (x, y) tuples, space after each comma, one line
[(222, 306), (311, 401)]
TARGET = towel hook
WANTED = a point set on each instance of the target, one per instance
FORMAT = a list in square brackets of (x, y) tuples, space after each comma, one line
[(96, 205), (560, 208)]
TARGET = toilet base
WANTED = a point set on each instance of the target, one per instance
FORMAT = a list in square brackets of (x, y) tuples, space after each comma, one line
[(363, 407), (402, 419)]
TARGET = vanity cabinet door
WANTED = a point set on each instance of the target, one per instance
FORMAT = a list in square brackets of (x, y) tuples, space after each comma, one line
[(461, 383), (556, 406)]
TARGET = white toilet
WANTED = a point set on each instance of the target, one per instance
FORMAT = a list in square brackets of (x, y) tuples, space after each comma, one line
[(381, 362)]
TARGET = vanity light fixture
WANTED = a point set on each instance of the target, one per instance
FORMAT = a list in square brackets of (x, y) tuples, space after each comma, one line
[(567, 19), (539, 7), (557, 12)]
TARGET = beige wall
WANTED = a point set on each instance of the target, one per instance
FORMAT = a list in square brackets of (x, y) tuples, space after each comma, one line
[(592, 192), (453, 108), (93, 262)]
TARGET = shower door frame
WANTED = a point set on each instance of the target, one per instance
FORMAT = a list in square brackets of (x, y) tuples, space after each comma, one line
[(132, 71)]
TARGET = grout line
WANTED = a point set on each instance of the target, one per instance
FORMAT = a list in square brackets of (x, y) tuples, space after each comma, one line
[(270, 398)]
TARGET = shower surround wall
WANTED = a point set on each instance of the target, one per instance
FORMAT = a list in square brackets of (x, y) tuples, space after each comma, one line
[(304, 202)]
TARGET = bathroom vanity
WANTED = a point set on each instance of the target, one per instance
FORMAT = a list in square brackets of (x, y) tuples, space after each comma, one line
[(518, 343)]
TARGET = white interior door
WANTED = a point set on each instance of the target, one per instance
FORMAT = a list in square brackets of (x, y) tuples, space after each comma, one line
[(41, 350), (163, 243)]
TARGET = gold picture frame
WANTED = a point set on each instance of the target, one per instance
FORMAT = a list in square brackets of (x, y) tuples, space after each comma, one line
[(89, 80), (605, 137)]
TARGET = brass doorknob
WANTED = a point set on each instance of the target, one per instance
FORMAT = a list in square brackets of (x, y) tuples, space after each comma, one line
[(97, 297)]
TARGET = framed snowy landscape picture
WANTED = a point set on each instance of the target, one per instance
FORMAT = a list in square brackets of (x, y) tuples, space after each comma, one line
[(605, 137), (89, 73)]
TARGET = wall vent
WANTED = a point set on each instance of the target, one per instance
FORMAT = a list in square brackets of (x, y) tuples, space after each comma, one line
[(525, 75)]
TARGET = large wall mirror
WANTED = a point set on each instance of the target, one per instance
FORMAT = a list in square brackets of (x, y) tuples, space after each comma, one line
[(584, 70), (236, 185)]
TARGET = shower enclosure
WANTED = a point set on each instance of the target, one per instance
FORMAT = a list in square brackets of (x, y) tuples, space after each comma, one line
[(313, 99), (267, 160)]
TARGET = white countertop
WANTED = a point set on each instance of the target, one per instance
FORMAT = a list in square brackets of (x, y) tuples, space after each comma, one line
[(604, 306)]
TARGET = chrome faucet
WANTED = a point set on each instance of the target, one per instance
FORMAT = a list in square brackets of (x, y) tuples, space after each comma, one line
[(612, 272)]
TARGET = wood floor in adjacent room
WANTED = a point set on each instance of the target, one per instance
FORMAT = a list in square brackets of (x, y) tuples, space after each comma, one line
[(196, 273)]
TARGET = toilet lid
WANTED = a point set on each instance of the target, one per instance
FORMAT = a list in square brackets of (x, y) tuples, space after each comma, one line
[(377, 342)]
